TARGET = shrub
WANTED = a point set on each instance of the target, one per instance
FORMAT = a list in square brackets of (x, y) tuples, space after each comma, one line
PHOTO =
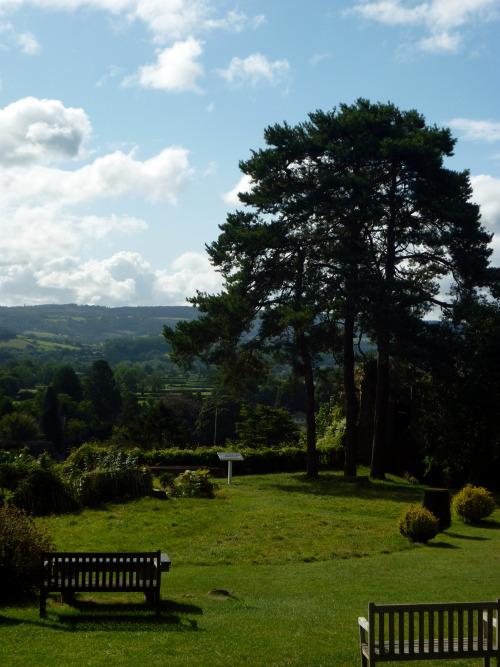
[(97, 486), (21, 545), (166, 480), (194, 484), (473, 503), (418, 524)]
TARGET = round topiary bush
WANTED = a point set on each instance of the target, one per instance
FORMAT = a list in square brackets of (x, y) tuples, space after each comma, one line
[(418, 524), (473, 503)]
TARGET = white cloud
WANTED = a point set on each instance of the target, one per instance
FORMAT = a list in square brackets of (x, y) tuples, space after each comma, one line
[(254, 69), (175, 70), (188, 273), (26, 42), (33, 130), (476, 130), (125, 278), (167, 20), (48, 215), (486, 191), (441, 18), (160, 178), (231, 198)]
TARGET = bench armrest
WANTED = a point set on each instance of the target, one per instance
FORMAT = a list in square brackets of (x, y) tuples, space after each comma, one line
[(363, 623)]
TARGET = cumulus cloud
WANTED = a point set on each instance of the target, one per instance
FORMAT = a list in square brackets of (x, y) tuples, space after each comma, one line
[(442, 19), (231, 198), (476, 130), (486, 191), (125, 278), (48, 214), (188, 272), (34, 130), (175, 70), (254, 69)]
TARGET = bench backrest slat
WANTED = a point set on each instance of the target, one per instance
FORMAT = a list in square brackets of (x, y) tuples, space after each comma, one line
[(437, 629)]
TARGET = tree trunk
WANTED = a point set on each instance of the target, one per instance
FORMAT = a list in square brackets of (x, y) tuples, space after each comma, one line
[(351, 403), (380, 429), (307, 371)]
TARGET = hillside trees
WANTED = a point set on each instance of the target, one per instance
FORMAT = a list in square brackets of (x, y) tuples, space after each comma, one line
[(353, 222)]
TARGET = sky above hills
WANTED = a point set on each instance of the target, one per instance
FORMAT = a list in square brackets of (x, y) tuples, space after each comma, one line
[(122, 123)]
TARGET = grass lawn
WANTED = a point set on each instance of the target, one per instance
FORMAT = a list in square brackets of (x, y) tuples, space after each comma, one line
[(274, 571)]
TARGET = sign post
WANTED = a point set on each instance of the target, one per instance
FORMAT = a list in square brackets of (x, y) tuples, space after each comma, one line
[(229, 457)]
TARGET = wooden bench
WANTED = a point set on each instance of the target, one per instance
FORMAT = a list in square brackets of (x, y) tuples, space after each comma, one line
[(70, 572), (395, 632)]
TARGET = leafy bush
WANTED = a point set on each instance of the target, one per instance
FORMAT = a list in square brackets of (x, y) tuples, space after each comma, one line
[(43, 489), (100, 485), (166, 480), (99, 474), (194, 484), (418, 524), (21, 544), (473, 503)]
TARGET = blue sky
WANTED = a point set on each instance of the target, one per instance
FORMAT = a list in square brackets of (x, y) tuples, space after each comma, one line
[(122, 123)]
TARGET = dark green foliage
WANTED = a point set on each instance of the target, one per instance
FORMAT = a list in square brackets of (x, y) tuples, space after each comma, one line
[(43, 490), (18, 426), (14, 467), (51, 420), (458, 401), (216, 420), (265, 427), (66, 382), (9, 385), (158, 426), (166, 480), (100, 388), (438, 502), (6, 406), (473, 503), (418, 524), (21, 545)]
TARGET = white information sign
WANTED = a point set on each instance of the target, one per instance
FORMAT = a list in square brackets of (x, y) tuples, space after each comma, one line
[(229, 457)]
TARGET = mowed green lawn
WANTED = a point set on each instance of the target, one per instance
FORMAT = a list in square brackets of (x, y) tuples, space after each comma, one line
[(274, 571)]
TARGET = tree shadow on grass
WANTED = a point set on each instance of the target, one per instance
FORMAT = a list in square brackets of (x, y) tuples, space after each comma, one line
[(442, 545), (360, 486), (474, 538)]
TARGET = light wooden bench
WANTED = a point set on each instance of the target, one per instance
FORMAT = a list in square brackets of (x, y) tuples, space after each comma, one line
[(70, 572), (439, 631)]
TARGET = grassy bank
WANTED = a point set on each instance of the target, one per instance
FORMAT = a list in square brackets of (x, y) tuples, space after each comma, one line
[(275, 570)]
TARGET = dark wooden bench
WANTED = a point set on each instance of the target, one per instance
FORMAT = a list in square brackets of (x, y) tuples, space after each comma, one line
[(70, 572), (439, 631)]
